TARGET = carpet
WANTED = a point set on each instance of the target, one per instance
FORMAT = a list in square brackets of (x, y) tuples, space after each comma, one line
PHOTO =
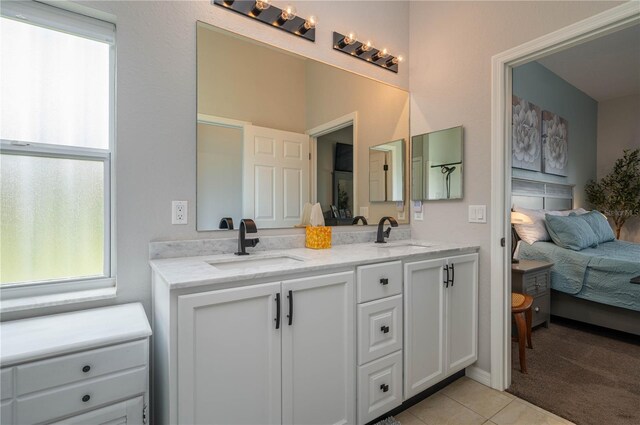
[(588, 375)]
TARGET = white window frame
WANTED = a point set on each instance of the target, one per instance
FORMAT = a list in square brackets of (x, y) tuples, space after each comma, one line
[(24, 295)]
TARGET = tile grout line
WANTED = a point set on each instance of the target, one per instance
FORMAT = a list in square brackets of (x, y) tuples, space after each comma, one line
[(498, 412)]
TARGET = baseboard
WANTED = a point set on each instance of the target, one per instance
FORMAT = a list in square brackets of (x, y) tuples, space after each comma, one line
[(479, 375)]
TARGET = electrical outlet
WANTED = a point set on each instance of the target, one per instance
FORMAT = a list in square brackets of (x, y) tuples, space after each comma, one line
[(418, 216), (477, 213), (179, 212)]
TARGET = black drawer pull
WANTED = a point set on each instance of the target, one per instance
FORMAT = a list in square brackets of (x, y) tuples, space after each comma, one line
[(384, 281), (453, 274), (290, 315), (86, 368), (446, 279), (86, 398), (537, 309), (384, 388), (277, 319), (385, 329)]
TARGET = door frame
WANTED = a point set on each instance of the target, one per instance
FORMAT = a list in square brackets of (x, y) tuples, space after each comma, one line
[(502, 64), (321, 130)]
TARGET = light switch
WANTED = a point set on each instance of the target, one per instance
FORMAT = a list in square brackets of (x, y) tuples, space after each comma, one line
[(477, 213)]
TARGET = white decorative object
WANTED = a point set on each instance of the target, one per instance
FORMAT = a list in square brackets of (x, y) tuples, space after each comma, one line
[(90, 366), (525, 127), (555, 139)]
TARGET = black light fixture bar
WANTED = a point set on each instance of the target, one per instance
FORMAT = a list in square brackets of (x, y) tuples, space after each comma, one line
[(270, 16), (372, 55)]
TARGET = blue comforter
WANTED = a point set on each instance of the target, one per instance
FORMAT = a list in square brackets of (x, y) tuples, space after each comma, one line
[(599, 274)]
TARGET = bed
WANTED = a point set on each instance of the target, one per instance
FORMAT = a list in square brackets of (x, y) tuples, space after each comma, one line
[(590, 285)]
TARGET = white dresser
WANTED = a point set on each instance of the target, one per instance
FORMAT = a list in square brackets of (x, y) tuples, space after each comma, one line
[(89, 366)]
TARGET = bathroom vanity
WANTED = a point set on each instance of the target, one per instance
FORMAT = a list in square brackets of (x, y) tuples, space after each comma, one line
[(341, 335)]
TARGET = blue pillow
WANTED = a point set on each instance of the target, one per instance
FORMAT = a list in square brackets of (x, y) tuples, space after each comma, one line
[(599, 225), (571, 232)]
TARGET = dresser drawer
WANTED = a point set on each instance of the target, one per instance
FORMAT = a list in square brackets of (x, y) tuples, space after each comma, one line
[(63, 370), (81, 396), (536, 283), (6, 412), (379, 281), (379, 328), (379, 387), (540, 310), (6, 383)]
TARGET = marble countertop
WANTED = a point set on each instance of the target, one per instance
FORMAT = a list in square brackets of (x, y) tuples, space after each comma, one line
[(188, 272)]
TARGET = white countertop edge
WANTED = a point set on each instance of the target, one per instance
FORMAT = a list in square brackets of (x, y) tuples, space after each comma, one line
[(50, 300), (435, 249), (80, 342)]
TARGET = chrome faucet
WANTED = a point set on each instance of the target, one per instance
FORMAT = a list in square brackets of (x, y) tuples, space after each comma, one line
[(359, 218), (385, 234), (246, 226)]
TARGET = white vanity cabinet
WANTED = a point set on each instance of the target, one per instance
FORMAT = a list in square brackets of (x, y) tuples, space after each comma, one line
[(441, 320), (90, 366), (268, 353)]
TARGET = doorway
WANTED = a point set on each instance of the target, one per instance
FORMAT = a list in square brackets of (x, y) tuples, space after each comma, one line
[(612, 20)]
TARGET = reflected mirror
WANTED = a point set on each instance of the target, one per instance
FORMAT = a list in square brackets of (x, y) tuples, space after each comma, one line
[(436, 165), (386, 172), (276, 130)]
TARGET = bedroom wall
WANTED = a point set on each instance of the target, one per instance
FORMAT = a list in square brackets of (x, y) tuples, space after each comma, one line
[(450, 81), (545, 89), (619, 129)]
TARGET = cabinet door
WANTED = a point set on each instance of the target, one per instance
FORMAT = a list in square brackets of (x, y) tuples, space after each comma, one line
[(229, 357), (318, 350), (123, 413), (423, 325), (462, 313)]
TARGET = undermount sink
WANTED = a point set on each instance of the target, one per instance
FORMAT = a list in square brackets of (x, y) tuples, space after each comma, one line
[(257, 261), (403, 245)]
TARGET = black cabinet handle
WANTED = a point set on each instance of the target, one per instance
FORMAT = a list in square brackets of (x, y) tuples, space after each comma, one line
[(86, 398), (290, 315), (384, 329), (86, 368), (277, 319), (384, 388), (453, 274), (446, 279), (384, 281)]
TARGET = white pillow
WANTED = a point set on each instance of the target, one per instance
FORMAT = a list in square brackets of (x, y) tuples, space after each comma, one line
[(535, 230)]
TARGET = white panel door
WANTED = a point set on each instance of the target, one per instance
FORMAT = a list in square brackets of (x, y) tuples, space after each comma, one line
[(318, 350), (423, 326), (275, 176), (462, 312), (229, 357), (377, 180)]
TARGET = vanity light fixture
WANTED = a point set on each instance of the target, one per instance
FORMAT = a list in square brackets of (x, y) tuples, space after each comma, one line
[(350, 45), (284, 19)]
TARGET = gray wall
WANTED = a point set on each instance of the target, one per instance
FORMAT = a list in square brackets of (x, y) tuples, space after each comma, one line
[(542, 87), (619, 129)]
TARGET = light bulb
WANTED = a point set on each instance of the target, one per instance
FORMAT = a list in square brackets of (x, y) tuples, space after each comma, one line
[(347, 40), (288, 13), (365, 47), (381, 54), (260, 6), (311, 22)]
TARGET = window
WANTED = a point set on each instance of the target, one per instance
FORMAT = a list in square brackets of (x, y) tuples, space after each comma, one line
[(57, 73)]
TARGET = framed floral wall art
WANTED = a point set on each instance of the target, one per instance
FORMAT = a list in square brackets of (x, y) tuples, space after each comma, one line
[(555, 144), (526, 141)]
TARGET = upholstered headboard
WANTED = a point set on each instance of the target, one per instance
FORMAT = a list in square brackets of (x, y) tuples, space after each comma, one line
[(537, 194)]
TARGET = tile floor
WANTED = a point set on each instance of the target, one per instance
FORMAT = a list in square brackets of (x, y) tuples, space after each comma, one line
[(467, 402)]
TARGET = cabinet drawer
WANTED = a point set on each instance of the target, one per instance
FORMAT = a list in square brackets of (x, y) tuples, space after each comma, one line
[(379, 281), (536, 283), (6, 383), (63, 370), (379, 387), (540, 310), (79, 397), (379, 328)]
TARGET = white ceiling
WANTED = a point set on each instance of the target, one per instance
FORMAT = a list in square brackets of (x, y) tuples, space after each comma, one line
[(605, 68)]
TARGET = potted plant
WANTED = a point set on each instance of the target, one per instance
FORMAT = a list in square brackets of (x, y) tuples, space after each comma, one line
[(617, 195)]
